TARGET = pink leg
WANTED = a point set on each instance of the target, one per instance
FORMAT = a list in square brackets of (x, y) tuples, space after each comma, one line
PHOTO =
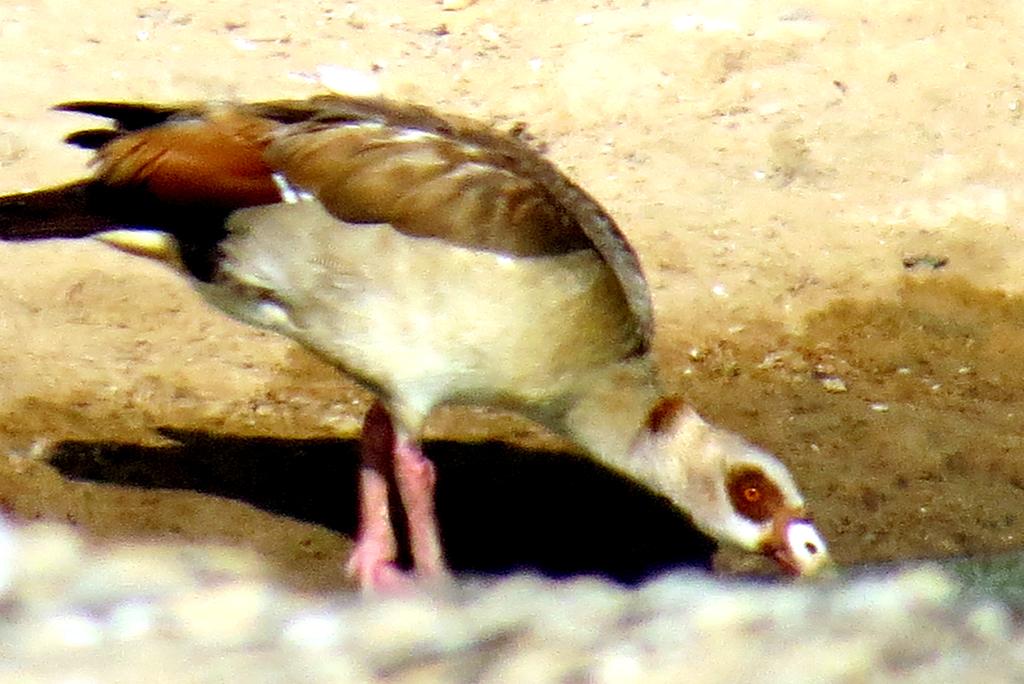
[(416, 477), (373, 560)]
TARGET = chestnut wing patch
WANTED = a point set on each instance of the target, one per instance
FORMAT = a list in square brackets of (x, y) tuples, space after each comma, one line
[(215, 161)]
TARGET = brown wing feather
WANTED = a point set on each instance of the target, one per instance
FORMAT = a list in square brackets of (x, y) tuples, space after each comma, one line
[(211, 161), (424, 185)]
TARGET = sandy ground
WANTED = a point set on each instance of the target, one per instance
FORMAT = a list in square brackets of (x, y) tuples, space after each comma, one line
[(777, 166)]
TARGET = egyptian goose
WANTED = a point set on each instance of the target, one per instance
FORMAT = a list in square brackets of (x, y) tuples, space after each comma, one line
[(434, 260)]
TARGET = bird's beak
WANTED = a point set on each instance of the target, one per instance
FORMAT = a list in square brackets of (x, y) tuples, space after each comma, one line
[(796, 545), (152, 244)]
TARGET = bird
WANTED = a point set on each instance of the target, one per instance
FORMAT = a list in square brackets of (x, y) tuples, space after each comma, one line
[(436, 260)]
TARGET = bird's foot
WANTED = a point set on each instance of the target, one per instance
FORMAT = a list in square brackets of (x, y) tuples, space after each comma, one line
[(374, 568)]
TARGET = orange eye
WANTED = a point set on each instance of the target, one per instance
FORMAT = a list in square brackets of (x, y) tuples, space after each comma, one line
[(752, 495)]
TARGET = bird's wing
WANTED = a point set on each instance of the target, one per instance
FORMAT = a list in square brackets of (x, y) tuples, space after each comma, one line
[(192, 155), (366, 161)]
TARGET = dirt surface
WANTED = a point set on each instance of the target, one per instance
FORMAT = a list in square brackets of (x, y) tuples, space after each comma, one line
[(825, 198)]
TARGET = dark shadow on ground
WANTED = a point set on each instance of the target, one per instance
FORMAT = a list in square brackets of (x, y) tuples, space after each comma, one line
[(501, 508)]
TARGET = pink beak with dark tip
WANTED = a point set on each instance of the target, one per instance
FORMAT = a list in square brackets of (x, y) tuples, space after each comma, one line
[(796, 545)]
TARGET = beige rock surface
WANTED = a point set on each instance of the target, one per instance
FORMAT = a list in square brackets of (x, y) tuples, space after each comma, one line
[(179, 614)]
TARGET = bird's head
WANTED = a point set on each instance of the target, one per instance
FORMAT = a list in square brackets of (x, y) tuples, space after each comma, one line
[(732, 490)]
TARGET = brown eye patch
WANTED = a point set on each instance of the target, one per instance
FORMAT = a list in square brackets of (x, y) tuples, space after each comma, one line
[(660, 417), (752, 494)]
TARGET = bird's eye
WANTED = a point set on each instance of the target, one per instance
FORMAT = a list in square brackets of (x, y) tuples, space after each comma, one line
[(752, 494)]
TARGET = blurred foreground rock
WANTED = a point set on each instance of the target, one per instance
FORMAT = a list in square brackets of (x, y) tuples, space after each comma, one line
[(189, 614)]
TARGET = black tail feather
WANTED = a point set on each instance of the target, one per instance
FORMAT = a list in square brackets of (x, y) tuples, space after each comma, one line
[(129, 116), (85, 208), (64, 212), (91, 139)]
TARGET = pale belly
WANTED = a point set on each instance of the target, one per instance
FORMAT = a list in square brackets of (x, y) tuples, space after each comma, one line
[(419, 320)]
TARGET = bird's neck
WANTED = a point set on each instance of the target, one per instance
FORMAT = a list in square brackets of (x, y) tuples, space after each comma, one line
[(611, 416), (625, 422)]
